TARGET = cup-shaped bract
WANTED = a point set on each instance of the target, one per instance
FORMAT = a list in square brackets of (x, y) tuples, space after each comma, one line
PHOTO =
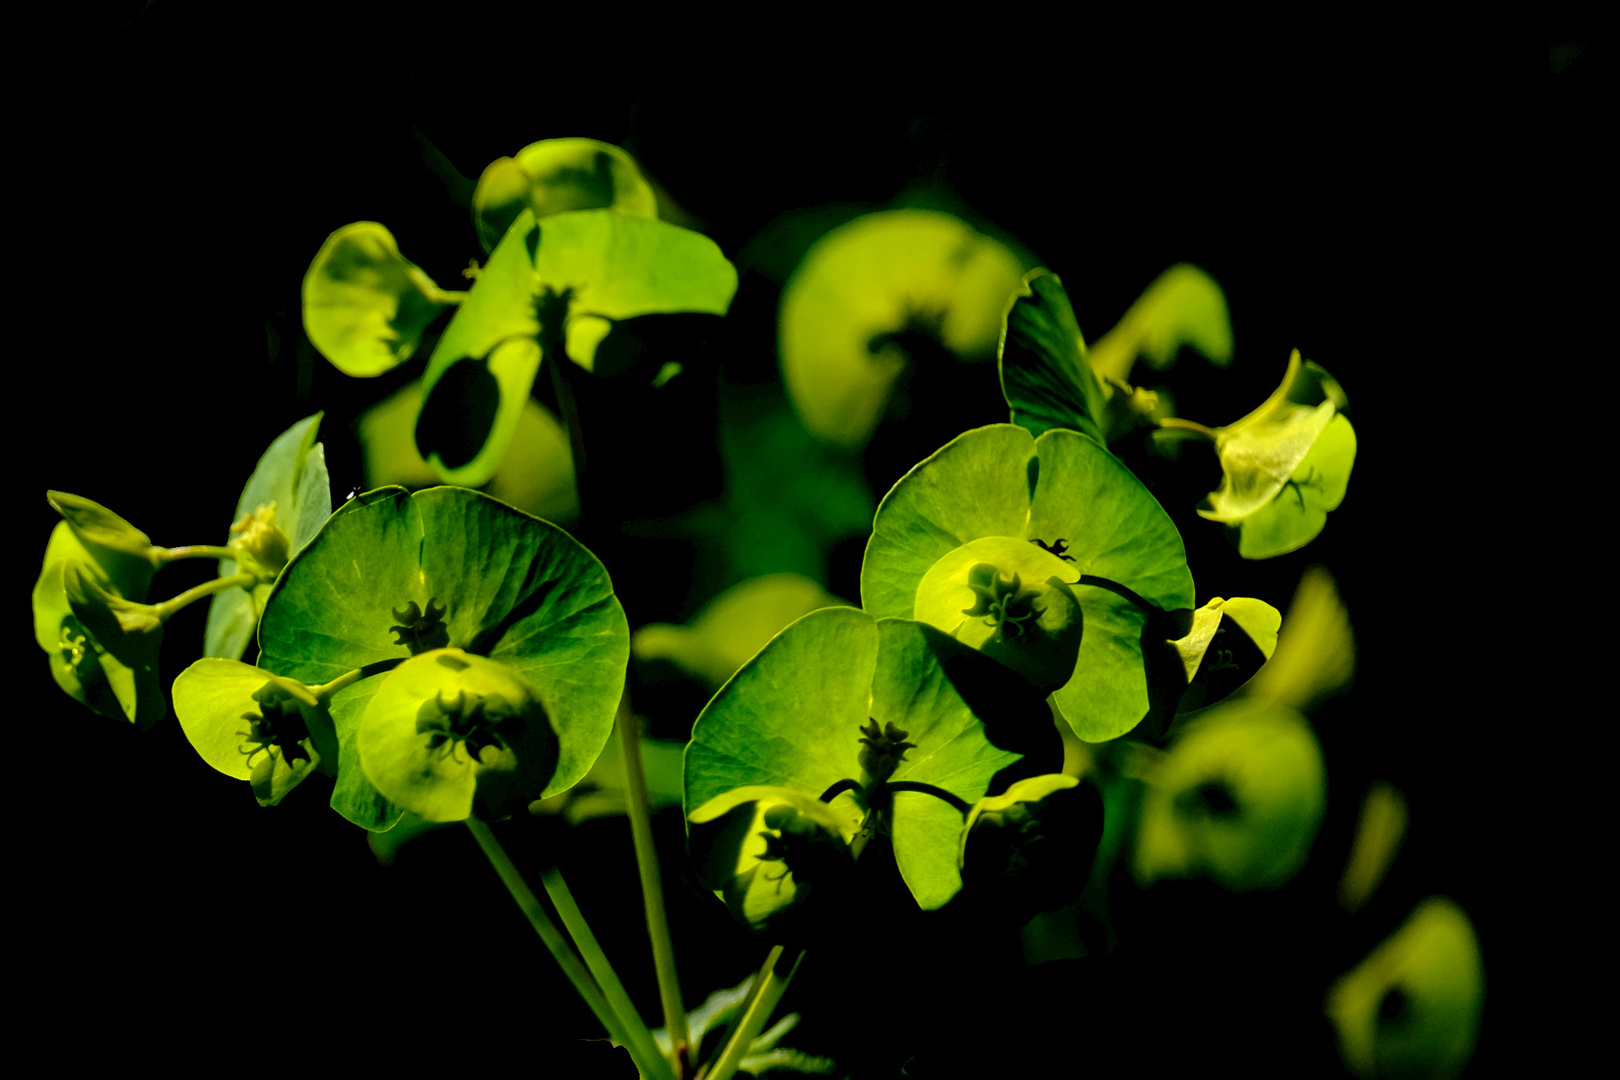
[(1285, 465), (393, 575), (284, 503), (870, 713), (1412, 1007), (554, 176), (450, 735), (1030, 848), (769, 853), (366, 305), (1092, 549), (868, 288), (586, 287), (252, 725), (1238, 799), (72, 600)]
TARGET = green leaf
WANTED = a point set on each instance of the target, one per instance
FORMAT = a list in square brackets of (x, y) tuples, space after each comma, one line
[(513, 588), (291, 479), (353, 795), (365, 304), (1044, 374), (1258, 619), (795, 715), (122, 552), (559, 285), (1285, 465), (1120, 554), (1238, 799), (1412, 1007), (867, 288), (554, 176), (126, 638), (1183, 306)]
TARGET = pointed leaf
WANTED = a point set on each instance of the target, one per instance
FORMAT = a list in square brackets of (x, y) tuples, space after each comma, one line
[(1044, 374)]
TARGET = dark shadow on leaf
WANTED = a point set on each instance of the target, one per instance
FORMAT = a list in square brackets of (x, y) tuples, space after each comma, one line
[(637, 348), (459, 413)]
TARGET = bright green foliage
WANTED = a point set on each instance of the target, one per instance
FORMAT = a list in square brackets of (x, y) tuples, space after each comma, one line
[(392, 575), (559, 287), (1285, 465), (1044, 374), (867, 295), (450, 735), (255, 726), (365, 304), (1412, 1007), (554, 176), (96, 560), (1110, 547), (1182, 307), (284, 503), (1238, 799), (841, 696)]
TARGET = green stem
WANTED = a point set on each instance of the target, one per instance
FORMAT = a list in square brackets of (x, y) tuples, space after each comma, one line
[(652, 889), (574, 922), (553, 939), (768, 990), (554, 359), (207, 588), (325, 691), (1178, 424), (162, 555)]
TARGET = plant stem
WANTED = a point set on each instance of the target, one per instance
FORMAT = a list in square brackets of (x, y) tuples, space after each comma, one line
[(554, 359), (207, 588), (1193, 426), (768, 990), (193, 551), (574, 922), (553, 939), (652, 889)]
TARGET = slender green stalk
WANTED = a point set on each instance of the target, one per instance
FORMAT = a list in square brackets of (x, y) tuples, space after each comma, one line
[(207, 588), (574, 922), (652, 888), (1178, 424), (192, 551), (554, 941), (768, 990)]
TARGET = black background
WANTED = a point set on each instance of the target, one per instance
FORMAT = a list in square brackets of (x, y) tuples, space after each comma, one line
[(1406, 205)]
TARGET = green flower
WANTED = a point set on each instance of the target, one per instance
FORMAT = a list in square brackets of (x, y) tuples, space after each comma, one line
[(1412, 1007), (1030, 848), (888, 726), (255, 726), (1046, 554), (554, 176), (1238, 799), (450, 735), (366, 305), (100, 641), (1285, 465)]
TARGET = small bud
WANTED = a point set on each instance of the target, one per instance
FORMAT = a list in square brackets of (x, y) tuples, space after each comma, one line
[(260, 545)]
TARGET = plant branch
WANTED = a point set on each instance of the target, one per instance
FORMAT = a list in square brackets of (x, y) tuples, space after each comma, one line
[(207, 588), (192, 551), (652, 889), (768, 990), (574, 922), (552, 938)]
